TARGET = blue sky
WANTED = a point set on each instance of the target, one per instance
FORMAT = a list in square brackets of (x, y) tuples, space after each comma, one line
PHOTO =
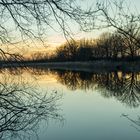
[(55, 38)]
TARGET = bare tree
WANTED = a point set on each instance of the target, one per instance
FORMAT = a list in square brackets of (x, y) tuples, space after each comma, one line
[(117, 15), (29, 19), (27, 16)]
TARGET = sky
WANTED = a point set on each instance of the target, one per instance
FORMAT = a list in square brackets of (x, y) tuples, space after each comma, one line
[(54, 39)]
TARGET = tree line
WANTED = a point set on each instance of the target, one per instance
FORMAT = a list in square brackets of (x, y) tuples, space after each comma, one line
[(31, 20), (110, 46)]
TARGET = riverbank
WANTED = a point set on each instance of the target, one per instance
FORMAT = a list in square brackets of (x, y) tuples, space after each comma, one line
[(100, 65)]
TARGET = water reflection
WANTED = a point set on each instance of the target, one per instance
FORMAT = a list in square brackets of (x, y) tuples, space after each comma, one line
[(135, 123), (124, 86), (22, 108)]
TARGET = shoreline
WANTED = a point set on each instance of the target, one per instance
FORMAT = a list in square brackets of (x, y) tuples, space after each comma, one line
[(89, 66)]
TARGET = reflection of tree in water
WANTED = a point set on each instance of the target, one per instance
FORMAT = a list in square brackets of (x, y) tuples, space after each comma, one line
[(75, 80), (22, 108), (123, 86), (135, 123)]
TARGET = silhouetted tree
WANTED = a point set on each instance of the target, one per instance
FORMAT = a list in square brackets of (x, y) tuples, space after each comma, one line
[(119, 16), (67, 52), (29, 19)]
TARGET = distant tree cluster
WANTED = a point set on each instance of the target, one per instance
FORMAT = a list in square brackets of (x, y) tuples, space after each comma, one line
[(116, 46), (107, 46), (75, 50)]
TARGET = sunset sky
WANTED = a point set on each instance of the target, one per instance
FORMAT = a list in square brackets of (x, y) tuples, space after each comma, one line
[(54, 39)]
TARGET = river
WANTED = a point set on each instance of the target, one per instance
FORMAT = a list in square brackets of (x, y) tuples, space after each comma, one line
[(39, 103)]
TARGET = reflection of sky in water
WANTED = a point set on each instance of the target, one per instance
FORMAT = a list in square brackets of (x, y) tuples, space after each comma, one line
[(88, 115)]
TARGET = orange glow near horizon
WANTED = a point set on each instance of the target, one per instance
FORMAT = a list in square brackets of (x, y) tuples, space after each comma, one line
[(49, 45)]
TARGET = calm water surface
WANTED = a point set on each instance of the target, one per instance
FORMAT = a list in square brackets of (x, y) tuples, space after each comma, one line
[(78, 106)]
